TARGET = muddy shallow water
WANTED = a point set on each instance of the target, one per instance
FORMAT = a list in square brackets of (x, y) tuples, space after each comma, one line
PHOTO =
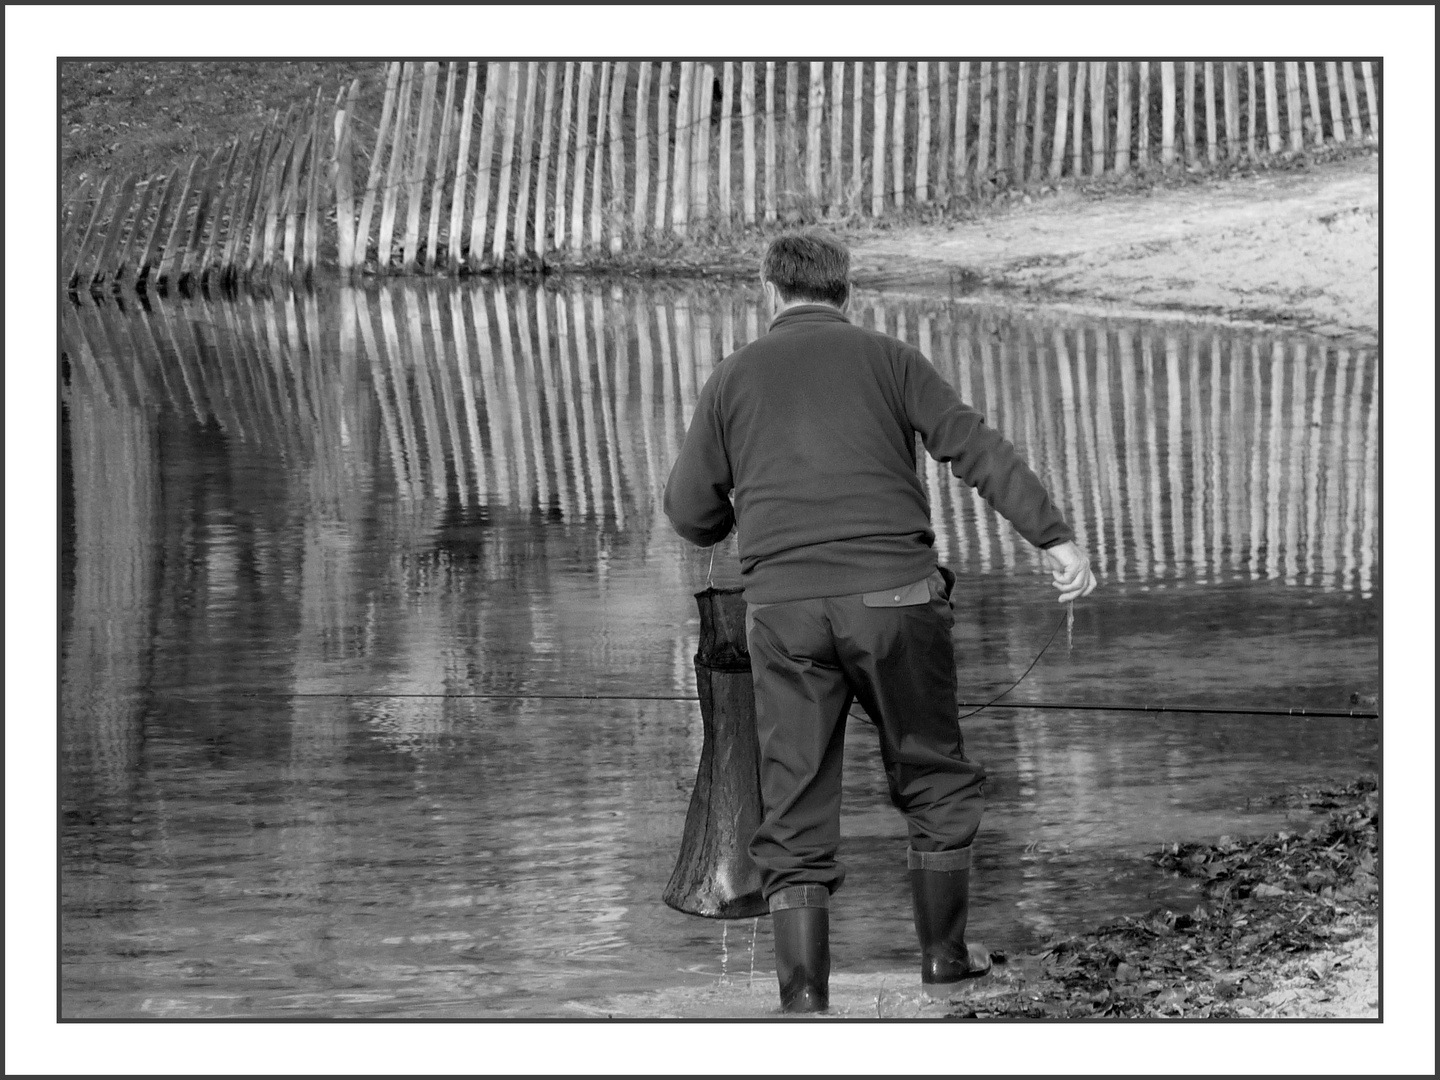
[(337, 569)]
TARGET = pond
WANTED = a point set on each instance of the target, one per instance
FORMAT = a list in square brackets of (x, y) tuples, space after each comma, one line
[(377, 647)]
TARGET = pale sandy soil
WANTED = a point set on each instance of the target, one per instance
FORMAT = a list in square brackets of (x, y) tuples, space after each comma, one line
[(1343, 981), (1299, 248)]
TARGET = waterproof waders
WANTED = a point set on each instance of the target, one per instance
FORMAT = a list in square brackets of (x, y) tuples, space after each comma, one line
[(940, 888), (802, 947)]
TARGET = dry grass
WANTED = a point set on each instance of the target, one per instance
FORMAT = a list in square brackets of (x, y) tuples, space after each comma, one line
[(146, 117)]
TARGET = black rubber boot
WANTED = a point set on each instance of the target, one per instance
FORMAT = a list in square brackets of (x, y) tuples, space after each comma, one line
[(942, 907), (802, 948)]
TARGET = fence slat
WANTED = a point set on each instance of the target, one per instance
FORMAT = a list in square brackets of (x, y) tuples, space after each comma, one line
[(242, 227), (1037, 145), (1022, 115), (543, 167), (262, 236), (727, 106), (442, 169), (372, 181), (1352, 99), (812, 130), (462, 166), (1372, 102), (314, 210), (1077, 121), (642, 152), (1062, 110), (982, 139), (770, 200), (837, 132), (1123, 110), (1167, 113), (1231, 76), (877, 182), (384, 246), (662, 151), (527, 159), (700, 143), (507, 164), (344, 183), (790, 144), (1292, 105), (170, 262), (1212, 152), (1142, 149), (1002, 121), (857, 124), (230, 211), (1337, 120), (74, 207), (897, 133), (485, 165), (921, 182), (1272, 107), (942, 160), (1312, 86), (419, 163), (602, 140), (146, 192), (224, 196), (1097, 118), (1252, 93), (680, 205), (1192, 152), (82, 256), (582, 152), (562, 157), (962, 129), (747, 139), (192, 256), (123, 200), (618, 80), (274, 189), (292, 198)]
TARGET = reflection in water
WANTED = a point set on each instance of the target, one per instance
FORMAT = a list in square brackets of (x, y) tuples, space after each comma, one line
[(519, 402), (422, 491)]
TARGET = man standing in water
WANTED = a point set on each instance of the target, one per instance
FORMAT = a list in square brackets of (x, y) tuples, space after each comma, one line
[(812, 427)]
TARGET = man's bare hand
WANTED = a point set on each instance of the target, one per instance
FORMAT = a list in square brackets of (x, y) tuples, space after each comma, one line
[(1070, 567)]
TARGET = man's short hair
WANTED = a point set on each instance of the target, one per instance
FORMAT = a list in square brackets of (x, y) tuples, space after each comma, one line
[(811, 266)]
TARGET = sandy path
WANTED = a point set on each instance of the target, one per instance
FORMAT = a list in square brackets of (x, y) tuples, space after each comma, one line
[(1298, 248)]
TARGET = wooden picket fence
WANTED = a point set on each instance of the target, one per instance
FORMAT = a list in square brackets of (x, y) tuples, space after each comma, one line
[(522, 165)]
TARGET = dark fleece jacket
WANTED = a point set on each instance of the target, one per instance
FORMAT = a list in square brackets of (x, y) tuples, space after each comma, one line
[(813, 427)]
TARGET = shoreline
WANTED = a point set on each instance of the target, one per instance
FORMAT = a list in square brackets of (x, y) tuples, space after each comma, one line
[(1287, 927), (1293, 247)]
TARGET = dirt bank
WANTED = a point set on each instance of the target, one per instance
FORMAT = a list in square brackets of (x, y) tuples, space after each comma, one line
[(1298, 247)]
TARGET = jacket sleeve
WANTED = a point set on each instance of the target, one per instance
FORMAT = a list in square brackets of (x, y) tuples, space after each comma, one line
[(953, 432), (697, 495)]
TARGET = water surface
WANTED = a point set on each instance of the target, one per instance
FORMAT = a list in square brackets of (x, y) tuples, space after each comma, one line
[(332, 562)]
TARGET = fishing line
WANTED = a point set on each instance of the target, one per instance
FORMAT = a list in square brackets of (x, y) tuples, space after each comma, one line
[(1070, 616)]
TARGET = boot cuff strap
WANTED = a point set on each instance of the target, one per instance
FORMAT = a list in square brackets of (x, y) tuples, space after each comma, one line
[(798, 896), (957, 859)]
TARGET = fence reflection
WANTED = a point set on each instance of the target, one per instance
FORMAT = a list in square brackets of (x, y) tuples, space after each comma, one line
[(1179, 454)]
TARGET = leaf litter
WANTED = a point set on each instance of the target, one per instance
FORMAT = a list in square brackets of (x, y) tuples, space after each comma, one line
[(1281, 919)]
